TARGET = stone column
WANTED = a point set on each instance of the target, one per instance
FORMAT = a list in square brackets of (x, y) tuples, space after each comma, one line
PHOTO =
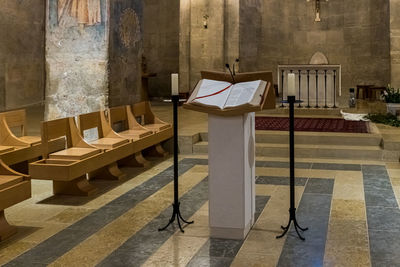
[(231, 42), (395, 42), (76, 62), (184, 46)]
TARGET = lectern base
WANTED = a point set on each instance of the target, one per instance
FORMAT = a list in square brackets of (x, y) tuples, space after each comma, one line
[(231, 175), (231, 233)]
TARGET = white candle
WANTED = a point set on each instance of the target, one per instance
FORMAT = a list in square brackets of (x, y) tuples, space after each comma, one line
[(175, 83), (291, 84)]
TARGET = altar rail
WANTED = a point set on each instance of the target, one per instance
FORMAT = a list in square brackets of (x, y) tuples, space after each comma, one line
[(316, 85)]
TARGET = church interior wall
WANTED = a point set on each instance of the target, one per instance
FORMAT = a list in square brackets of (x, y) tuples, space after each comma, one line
[(352, 33), (21, 53), (125, 52), (161, 43)]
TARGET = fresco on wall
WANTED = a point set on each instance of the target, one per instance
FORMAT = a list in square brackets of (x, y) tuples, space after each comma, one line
[(87, 12), (76, 57), (125, 52)]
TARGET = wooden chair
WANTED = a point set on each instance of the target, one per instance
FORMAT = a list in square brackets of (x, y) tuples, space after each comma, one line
[(373, 90), (67, 167), (364, 89), (14, 188), (147, 119)]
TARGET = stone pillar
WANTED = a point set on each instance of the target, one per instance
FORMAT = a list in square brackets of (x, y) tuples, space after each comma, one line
[(395, 42), (125, 52), (76, 62), (231, 42), (95, 62), (184, 46), (202, 48)]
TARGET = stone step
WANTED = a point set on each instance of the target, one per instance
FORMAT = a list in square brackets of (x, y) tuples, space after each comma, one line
[(309, 151), (314, 138)]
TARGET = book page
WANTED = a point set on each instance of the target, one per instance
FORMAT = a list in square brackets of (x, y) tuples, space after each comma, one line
[(212, 93), (242, 93)]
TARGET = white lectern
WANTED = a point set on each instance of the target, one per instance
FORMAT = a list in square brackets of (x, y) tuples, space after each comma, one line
[(231, 161)]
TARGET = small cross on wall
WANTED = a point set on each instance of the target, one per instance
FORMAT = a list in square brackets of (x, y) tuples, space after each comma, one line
[(317, 9)]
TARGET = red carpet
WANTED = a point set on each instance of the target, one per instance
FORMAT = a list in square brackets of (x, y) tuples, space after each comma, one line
[(311, 125)]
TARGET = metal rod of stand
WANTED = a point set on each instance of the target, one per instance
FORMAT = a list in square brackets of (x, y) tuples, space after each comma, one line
[(176, 174), (291, 151), (282, 79), (292, 209), (326, 106), (334, 88), (299, 89), (308, 89), (176, 213), (316, 87)]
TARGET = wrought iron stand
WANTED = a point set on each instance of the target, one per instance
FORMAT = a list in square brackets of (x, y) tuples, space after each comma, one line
[(176, 213), (292, 210)]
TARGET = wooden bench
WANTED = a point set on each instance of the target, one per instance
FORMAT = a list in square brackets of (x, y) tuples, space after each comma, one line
[(147, 119), (17, 147), (124, 123), (69, 167), (14, 188), (106, 139)]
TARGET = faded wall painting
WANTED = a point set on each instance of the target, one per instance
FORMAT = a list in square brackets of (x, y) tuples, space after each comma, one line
[(76, 57), (87, 12)]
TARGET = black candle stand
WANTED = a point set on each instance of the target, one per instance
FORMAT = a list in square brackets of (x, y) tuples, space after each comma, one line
[(292, 211), (176, 213)]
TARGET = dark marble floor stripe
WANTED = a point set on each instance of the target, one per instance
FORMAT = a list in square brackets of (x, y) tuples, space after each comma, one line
[(137, 249), (277, 180), (336, 166), (62, 242), (310, 165), (278, 164), (383, 217), (221, 252), (313, 212)]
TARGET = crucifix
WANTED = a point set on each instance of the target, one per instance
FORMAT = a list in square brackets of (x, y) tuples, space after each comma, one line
[(317, 9)]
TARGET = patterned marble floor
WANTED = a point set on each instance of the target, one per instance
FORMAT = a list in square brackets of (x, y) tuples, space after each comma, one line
[(351, 208)]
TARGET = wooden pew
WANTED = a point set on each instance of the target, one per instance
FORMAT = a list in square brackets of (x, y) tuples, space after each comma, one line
[(163, 130), (13, 149), (124, 123), (107, 140), (68, 167), (14, 188)]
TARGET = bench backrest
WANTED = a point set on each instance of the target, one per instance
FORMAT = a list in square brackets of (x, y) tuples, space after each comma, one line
[(118, 115), (16, 119), (54, 129), (143, 111), (90, 121)]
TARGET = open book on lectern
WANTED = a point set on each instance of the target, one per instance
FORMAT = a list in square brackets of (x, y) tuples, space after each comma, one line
[(222, 95)]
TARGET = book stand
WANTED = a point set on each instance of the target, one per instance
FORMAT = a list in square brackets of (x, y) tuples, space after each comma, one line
[(231, 162)]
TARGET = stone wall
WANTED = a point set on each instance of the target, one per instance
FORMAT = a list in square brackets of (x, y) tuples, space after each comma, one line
[(161, 43), (125, 51), (22, 71), (353, 33), (395, 42), (76, 63)]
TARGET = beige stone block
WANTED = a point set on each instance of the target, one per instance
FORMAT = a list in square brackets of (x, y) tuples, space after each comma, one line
[(348, 209)]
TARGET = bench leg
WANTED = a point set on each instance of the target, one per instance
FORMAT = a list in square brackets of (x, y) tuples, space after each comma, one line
[(6, 230), (136, 160), (157, 151), (78, 187), (110, 172)]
